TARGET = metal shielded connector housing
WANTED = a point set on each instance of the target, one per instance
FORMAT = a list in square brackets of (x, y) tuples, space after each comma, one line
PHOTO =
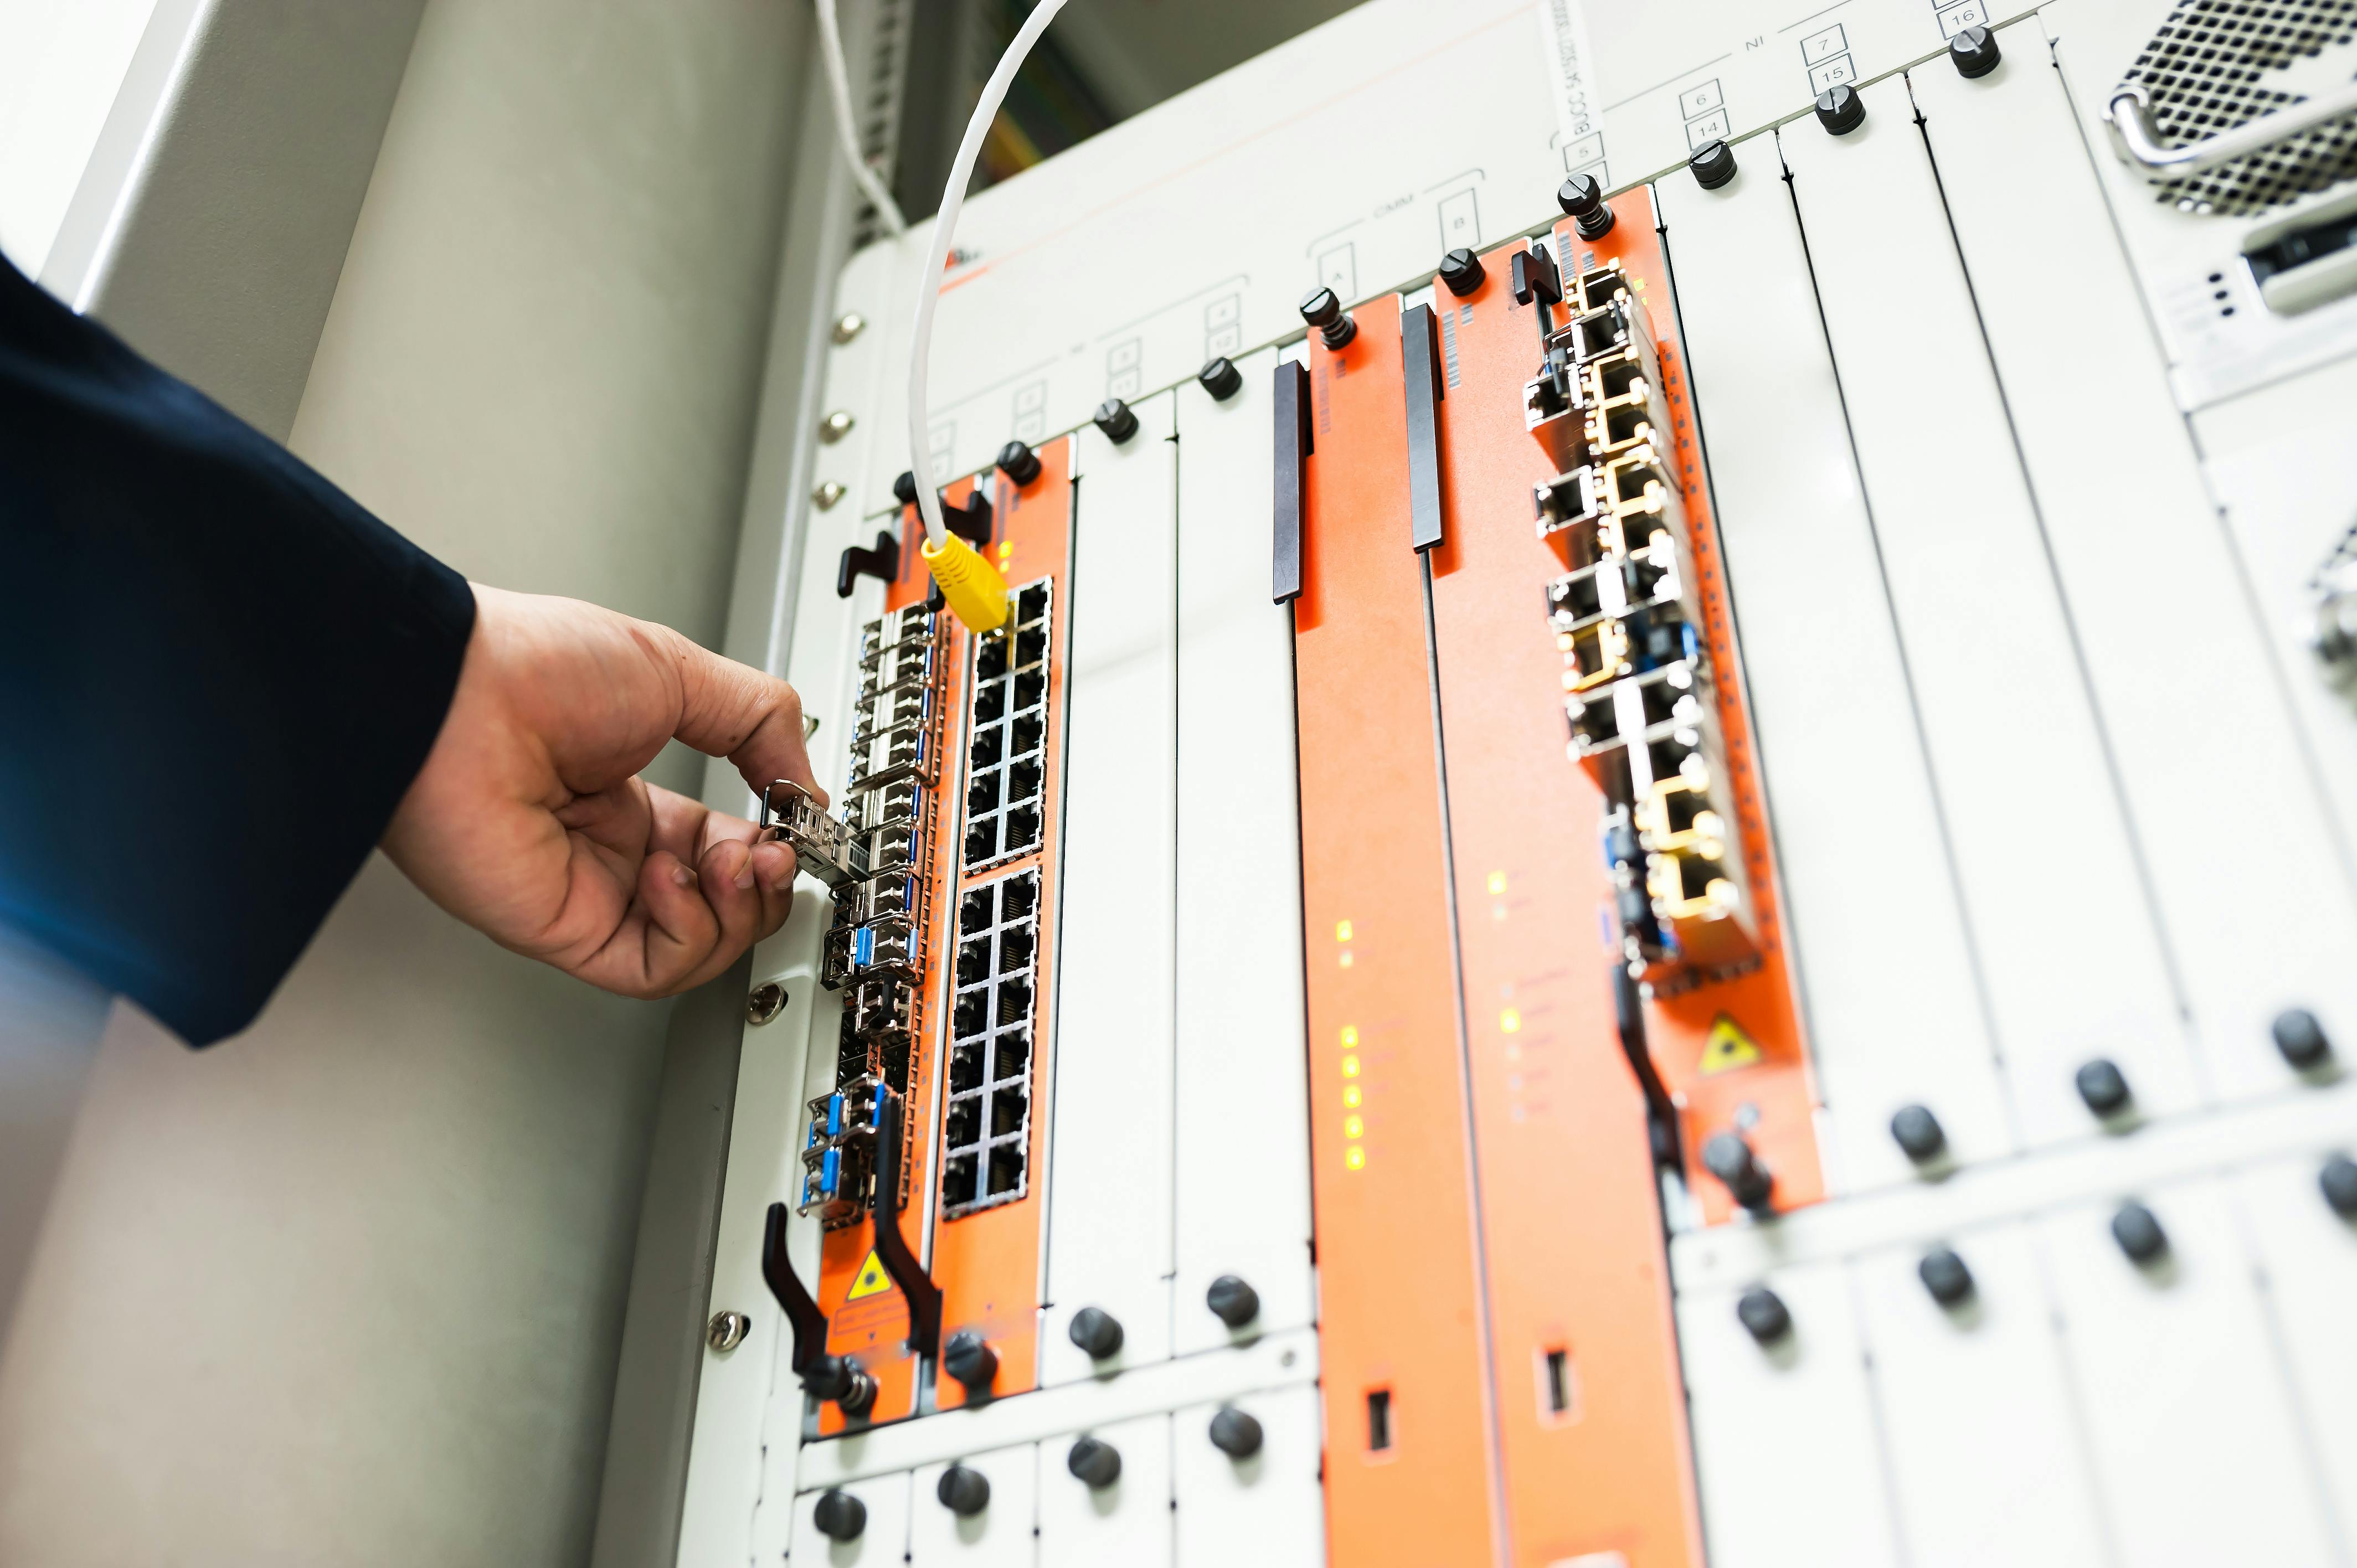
[(1007, 762), (986, 1118), (823, 846), (839, 1153)]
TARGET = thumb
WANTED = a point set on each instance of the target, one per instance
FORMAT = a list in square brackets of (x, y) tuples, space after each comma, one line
[(753, 719)]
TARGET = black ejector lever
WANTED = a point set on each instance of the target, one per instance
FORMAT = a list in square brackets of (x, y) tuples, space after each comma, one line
[(882, 563), (835, 1377)]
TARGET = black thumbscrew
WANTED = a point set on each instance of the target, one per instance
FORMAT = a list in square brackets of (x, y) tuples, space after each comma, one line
[(1974, 52), (1918, 1133), (1096, 1330), (1095, 1461), (2338, 1180), (904, 489), (1232, 1300), (1945, 1276), (969, 1359), (1117, 420), (1713, 165), (839, 1516), (1018, 462), (1236, 1433), (1461, 271), (1840, 109), (1763, 1315), (843, 1380), (1582, 200), (2301, 1038), (1321, 309), (1220, 378), (962, 1491), (2103, 1086), (1729, 1158), (2138, 1232)]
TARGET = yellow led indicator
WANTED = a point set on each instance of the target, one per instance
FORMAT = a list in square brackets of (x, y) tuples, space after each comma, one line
[(1355, 1158), (1353, 1128), (1342, 930), (1510, 1021), (1349, 1034), (1350, 1095), (1006, 550), (1346, 958), (1497, 883), (1349, 1067)]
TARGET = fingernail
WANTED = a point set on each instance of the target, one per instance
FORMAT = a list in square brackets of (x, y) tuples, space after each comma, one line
[(745, 871), (682, 875), (783, 879)]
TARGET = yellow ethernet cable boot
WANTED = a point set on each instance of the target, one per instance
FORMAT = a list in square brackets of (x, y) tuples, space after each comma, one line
[(975, 592)]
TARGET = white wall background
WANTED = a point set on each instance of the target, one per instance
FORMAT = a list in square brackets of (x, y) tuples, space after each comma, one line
[(348, 1289), (60, 62)]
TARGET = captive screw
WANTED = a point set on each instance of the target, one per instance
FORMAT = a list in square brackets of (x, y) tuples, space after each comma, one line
[(1582, 200), (1323, 310), (1232, 1300), (1461, 271), (1236, 1433), (1730, 1159)]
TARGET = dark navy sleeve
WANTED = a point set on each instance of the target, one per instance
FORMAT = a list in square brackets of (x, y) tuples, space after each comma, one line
[(218, 676)]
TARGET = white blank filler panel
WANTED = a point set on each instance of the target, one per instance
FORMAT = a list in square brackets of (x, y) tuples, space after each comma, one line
[(2195, 1440), (1783, 1433), (1126, 1524), (882, 1541), (1003, 1534), (1108, 1164), (2310, 1257), (2027, 793), (1988, 1463), (1269, 1508), (1893, 1015), (2258, 913), (1244, 1119)]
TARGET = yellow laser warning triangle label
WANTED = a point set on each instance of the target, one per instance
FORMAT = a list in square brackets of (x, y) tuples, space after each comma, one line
[(872, 1279), (1729, 1047)]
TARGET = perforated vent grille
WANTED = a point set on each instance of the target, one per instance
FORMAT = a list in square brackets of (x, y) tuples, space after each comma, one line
[(2207, 71)]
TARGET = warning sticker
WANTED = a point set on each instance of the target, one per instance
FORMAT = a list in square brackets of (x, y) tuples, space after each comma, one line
[(1729, 1047), (874, 1280)]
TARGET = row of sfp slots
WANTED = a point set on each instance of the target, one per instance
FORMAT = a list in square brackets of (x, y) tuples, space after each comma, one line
[(878, 860), (1637, 678)]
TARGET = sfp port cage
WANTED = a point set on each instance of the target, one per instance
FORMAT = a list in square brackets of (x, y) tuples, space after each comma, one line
[(1007, 759), (839, 1153), (986, 1116)]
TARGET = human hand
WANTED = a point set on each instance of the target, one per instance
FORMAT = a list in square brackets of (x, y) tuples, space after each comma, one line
[(530, 824)]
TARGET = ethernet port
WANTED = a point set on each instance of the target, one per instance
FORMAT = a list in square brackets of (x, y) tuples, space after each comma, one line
[(990, 658), (1023, 780), (978, 910), (1630, 422), (1661, 706), (1030, 690), (1006, 1168), (960, 1181), (962, 1124), (974, 960), (1695, 877), (1014, 998), (1619, 376), (1023, 827), (981, 840), (1026, 731), (1009, 1103), (971, 1016), (1014, 950), (989, 702), (1599, 332), (1030, 646), (1596, 289), (1680, 808), (965, 1067), (982, 794), (1594, 721), (1643, 577), (985, 751), (1022, 896), (1666, 753), (1010, 1057), (1633, 481), (1573, 599), (1032, 603)]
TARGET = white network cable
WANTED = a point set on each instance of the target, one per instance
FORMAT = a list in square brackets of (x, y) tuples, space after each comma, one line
[(929, 284), (846, 128)]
